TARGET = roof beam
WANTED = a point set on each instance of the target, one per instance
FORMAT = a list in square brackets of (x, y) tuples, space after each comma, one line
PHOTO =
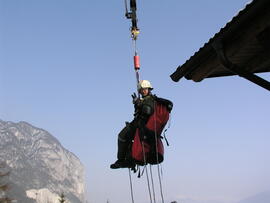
[(223, 59)]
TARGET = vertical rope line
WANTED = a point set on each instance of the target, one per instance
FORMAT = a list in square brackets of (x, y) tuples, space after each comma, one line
[(168, 126), (131, 188), (158, 164), (147, 176), (153, 185), (137, 82), (148, 183), (155, 127), (135, 46), (126, 7), (160, 184)]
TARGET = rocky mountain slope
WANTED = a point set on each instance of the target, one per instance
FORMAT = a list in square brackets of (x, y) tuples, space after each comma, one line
[(41, 169)]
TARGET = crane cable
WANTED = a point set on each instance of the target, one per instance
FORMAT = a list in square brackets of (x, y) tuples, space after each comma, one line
[(132, 15)]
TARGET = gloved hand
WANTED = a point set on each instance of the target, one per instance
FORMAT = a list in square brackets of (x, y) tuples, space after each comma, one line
[(135, 99)]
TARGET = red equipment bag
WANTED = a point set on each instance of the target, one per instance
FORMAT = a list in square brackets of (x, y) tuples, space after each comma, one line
[(151, 150)]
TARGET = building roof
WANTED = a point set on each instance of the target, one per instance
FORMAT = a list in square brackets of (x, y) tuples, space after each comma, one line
[(245, 41)]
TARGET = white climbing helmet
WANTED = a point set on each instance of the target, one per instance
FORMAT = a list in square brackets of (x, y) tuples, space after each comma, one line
[(144, 84)]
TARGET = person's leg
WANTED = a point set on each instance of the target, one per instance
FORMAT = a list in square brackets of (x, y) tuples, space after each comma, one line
[(123, 143)]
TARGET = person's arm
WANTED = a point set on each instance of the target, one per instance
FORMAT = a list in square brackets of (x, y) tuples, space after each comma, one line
[(146, 109)]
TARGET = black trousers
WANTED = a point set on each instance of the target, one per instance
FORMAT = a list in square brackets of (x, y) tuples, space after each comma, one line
[(125, 137)]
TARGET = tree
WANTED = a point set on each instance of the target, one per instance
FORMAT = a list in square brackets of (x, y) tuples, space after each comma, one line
[(62, 198)]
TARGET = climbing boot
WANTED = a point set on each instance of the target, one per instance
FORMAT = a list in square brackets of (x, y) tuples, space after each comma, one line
[(121, 155), (120, 163)]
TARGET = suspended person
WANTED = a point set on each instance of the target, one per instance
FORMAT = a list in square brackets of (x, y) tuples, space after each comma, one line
[(144, 108)]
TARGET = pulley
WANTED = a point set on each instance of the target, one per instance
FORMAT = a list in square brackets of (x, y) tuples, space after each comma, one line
[(133, 16)]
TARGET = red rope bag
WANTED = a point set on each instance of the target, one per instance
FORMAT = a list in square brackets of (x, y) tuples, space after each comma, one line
[(147, 146)]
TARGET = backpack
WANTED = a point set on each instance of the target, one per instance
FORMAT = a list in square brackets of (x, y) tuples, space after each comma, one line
[(147, 145)]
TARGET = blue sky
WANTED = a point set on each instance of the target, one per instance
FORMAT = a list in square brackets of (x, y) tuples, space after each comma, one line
[(66, 66)]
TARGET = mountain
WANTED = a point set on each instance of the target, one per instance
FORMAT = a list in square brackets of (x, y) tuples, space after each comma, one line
[(263, 197), (40, 167)]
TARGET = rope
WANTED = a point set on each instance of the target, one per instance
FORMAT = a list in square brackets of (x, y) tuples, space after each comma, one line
[(153, 186), (167, 128), (158, 164), (131, 188), (160, 184), (137, 81), (135, 46), (126, 7), (147, 176)]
